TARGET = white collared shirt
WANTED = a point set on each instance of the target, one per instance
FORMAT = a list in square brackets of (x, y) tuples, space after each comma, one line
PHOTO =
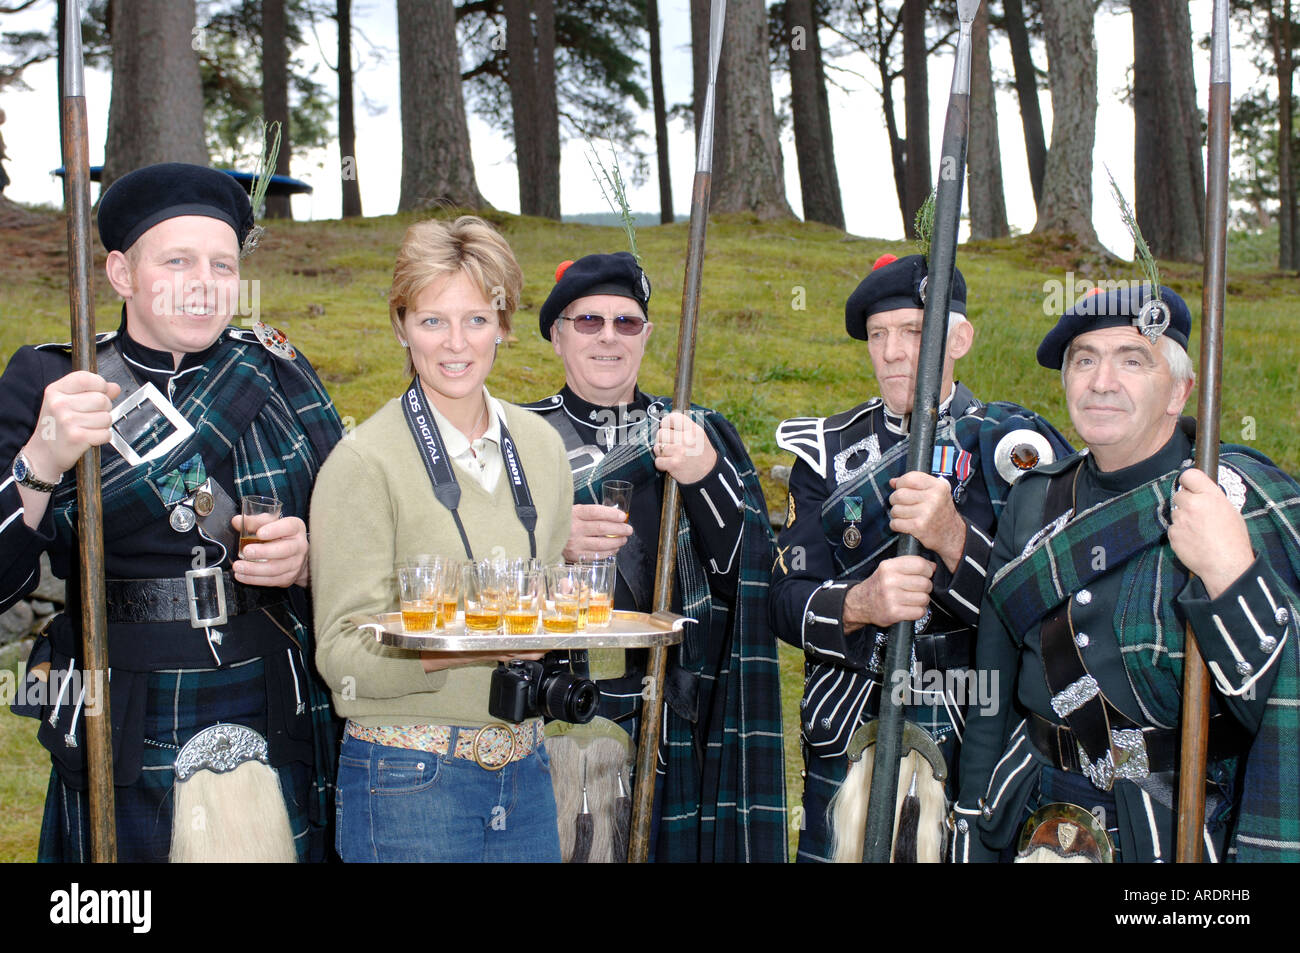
[(481, 459)]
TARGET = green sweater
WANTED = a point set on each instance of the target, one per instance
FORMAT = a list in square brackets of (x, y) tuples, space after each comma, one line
[(373, 506)]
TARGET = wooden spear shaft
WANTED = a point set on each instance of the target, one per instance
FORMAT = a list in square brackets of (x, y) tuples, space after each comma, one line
[(1196, 680), (647, 755), (90, 517), (878, 843)]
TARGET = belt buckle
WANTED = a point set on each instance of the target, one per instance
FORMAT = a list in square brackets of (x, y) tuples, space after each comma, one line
[(478, 753), (197, 621), (164, 408)]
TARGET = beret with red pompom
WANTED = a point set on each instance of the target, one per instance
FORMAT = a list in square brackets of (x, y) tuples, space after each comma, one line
[(616, 274), (895, 283)]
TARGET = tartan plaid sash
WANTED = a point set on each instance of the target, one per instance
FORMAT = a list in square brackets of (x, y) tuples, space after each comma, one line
[(1151, 642), (286, 425), (1063, 562), (732, 807)]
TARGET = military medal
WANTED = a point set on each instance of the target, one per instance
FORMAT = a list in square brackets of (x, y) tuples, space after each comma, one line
[(182, 518), (204, 502), (852, 513)]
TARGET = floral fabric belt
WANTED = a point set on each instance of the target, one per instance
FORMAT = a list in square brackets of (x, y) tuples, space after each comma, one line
[(492, 747)]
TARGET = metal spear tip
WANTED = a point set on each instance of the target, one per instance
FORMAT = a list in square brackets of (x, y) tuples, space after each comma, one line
[(966, 10), (74, 83)]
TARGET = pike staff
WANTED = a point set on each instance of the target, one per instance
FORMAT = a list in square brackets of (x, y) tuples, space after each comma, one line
[(652, 721), (90, 515), (925, 418), (1196, 679)]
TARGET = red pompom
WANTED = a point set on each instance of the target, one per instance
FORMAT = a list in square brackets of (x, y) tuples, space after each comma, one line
[(561, 268), (883, 260), (1096, 290)]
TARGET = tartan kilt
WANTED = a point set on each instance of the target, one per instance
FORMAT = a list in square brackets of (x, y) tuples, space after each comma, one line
[(178, 705)]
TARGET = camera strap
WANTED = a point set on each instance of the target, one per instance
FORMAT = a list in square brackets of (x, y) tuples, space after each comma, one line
[(437, 464)]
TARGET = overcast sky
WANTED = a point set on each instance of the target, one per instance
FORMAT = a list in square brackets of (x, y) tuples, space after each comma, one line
[(861, 145)]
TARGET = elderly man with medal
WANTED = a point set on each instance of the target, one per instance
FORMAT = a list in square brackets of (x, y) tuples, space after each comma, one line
[(835, 588), (216, 713), (1101, 561), (722, 792)]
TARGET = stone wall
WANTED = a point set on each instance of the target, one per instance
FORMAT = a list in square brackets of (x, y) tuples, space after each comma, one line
[(19, 626)]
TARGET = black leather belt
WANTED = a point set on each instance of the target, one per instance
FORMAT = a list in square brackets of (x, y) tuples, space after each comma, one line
[(935, 652), (1057, 743), (202, 597)]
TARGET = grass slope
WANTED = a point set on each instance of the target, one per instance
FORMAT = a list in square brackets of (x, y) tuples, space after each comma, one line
[(771, 334)]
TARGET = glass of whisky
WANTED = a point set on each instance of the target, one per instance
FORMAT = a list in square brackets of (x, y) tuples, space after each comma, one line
[(566, 600), (523, 592), (599, 572), (254, 513), (480, 586), (418, 585)]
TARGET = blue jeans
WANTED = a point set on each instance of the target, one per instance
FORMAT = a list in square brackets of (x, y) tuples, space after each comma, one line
[(400, 805)]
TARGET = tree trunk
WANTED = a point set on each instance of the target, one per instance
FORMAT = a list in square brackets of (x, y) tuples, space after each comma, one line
[(548, 113), (916, 105), (813, 146), (156, 110), (1169, 173), (661, 113), (437, 166), (1031, 116), (533, 105), (275, 96), (751, 175), (347, 120), (1066, 206), (897, 149), (1288, 248), (700, 70), (988, 207)]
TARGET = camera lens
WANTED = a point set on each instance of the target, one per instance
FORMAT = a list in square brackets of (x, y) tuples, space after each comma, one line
[(566, 697)]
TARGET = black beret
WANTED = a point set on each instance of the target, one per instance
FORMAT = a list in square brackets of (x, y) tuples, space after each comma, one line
[(616, 274), (1118, 307), (894, 283), (141, 199)]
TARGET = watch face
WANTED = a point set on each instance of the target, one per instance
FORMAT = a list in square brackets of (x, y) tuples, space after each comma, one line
[(21, 470)]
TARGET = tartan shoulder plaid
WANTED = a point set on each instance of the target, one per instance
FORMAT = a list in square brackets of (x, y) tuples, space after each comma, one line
[(731, 808), (978, 432), (1133, 528)]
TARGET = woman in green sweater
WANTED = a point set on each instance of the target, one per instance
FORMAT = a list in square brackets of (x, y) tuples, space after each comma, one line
[(425, 772)]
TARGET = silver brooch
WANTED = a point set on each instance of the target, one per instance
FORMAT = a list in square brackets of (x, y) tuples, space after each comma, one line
[(1153, 319), (1233, 487), (870, 444)]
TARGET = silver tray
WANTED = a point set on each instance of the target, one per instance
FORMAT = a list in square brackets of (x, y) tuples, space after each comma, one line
[(626, 630)]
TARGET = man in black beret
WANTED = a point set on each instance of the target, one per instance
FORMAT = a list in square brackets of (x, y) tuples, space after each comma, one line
[(192, 415), (721, 793), (837, 588), (1101, 562)]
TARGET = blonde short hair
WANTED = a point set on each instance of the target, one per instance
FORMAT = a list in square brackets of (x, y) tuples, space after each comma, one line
[(433, 250)]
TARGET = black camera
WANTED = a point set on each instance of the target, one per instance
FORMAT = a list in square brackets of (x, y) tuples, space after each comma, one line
[(523, 689)]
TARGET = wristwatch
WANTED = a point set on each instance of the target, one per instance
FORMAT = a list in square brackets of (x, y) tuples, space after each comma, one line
[(23, 475)]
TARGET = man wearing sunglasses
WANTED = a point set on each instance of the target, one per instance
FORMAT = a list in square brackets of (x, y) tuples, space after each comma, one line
[(721, 790)]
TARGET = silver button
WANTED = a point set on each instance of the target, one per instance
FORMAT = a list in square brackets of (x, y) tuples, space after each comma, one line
[(1081, 640), (963, 825), (809, 617), (1281, 616), (1244, 668), (419, 765), (826, 722), (1267, 643), (986, 811), (1083, 597)]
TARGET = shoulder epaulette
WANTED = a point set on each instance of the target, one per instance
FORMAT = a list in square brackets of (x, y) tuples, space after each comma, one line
[(102, 338), (805, 437)]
